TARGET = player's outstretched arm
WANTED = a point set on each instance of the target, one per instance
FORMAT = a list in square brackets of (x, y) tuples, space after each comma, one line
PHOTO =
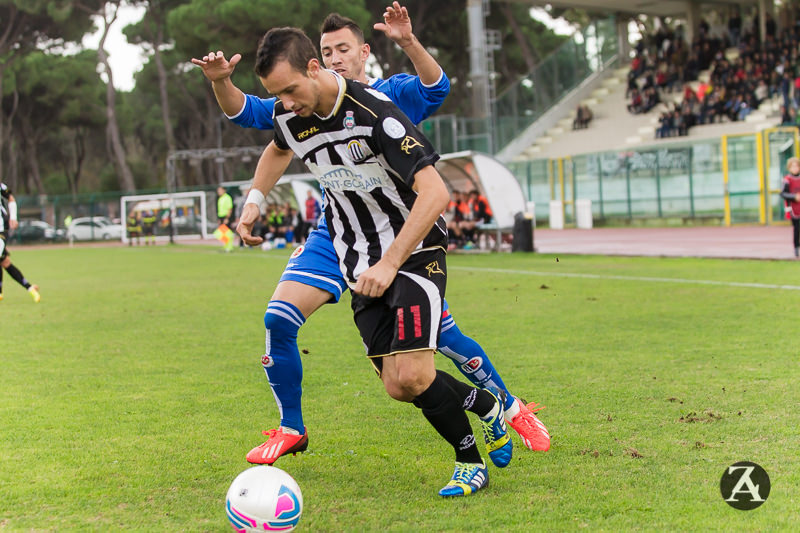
[(219, 70), (432, 199), (397, 27), (271, 166)]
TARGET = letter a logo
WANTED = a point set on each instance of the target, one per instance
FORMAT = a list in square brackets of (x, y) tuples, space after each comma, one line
[(744, 485)]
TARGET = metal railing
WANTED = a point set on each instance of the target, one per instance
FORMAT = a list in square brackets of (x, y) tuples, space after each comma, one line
[(585, 53)]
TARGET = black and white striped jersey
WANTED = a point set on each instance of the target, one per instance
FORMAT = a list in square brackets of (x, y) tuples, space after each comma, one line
[(365, 155), (5, 196)]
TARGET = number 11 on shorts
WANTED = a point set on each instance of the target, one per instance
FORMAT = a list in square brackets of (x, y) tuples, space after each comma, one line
[(401, 328)]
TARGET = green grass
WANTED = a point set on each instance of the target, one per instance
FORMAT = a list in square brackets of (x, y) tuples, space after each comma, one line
[(130, 395)]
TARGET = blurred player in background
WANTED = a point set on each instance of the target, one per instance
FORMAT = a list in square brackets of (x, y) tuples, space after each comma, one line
[(791, 198), (8, 221)]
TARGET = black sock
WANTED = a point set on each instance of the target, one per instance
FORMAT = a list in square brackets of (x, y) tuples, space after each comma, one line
[(1, 280), (441, 408), (474, 400), (17, 275)]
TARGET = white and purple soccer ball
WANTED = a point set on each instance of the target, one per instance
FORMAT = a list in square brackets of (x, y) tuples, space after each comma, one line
[(264, 498)]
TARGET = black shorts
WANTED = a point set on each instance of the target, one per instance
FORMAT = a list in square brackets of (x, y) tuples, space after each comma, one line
[(3, 249), (408, 316)]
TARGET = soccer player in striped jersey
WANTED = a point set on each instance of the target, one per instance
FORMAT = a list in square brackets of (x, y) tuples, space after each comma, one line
[(383, 205), (8, 221), (312, 278)]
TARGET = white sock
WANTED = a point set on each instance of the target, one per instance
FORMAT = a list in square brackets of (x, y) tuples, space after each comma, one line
[(513, 411), (289, 431)]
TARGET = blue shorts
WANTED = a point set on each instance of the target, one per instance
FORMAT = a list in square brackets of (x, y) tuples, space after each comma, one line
[(315, 264)]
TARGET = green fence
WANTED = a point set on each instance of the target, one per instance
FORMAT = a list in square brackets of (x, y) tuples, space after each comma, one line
[(735, 179)]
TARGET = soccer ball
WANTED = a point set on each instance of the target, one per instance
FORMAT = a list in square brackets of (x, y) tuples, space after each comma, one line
[(264, 498)]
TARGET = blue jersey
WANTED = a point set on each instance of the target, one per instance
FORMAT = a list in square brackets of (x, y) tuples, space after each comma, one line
[(417, 100)]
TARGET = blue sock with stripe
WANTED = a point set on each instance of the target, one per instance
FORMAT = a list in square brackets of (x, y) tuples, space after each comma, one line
[(469, 358), (281, 361)]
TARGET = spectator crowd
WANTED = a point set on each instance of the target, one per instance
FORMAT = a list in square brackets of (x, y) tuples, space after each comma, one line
[(739, 81)]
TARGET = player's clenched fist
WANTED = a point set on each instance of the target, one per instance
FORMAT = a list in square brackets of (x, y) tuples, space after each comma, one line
[(374, 281)]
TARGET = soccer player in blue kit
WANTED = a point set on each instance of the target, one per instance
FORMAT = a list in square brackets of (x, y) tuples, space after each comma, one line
[(313, 277)]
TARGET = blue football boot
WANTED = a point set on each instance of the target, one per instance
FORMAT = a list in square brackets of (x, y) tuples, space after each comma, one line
[(498, 442), (467, 478)]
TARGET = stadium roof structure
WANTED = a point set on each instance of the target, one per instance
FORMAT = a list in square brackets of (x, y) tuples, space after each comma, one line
[(664, 8)]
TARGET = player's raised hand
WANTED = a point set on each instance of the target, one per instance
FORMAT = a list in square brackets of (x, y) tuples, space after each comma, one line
[(374, 281), (396, 25), (216, 67), (250, 213)]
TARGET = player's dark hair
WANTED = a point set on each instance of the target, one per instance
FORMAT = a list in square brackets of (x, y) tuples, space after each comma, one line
[(336, 22), (279, 44)]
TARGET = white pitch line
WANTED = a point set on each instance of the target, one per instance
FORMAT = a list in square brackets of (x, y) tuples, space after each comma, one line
[(632, 278)]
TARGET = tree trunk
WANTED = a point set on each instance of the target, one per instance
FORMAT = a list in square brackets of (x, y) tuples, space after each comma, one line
[(30, 142), (124, 174), (527, 53), (162, 88)]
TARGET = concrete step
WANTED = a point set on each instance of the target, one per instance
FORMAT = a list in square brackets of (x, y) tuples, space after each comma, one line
[(646, 130), (634, 139), (544, 139), (532, 150), (598, 93), (756, 116), (566, 122), (590, 101), (610, 82), (554, 132)]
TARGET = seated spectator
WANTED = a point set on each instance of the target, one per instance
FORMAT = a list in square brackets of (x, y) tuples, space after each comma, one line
[(457, 212), (478, 213), (583, 115), (637, 103)]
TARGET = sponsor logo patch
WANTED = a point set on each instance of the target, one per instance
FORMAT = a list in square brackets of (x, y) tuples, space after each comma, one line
[(297, 251), (472, 365), (310, 131), (433, 268), (393, 128), (408, 144), (356, 151), (467, 442)]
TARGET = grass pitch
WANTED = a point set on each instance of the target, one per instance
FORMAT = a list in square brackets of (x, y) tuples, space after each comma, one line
[(130, 395)]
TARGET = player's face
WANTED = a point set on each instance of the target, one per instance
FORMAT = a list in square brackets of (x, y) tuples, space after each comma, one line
[(298, 91), (342, 53), (794, 167)]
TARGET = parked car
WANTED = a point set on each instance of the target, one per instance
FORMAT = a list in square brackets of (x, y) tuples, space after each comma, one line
[(38, 230), (94, 228)]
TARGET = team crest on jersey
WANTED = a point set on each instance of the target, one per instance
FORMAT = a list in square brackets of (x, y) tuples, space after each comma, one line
[(408, 144), (349, 121), (433, 268), (307, 133), (298, 251), (267, 361), (356, 151)]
